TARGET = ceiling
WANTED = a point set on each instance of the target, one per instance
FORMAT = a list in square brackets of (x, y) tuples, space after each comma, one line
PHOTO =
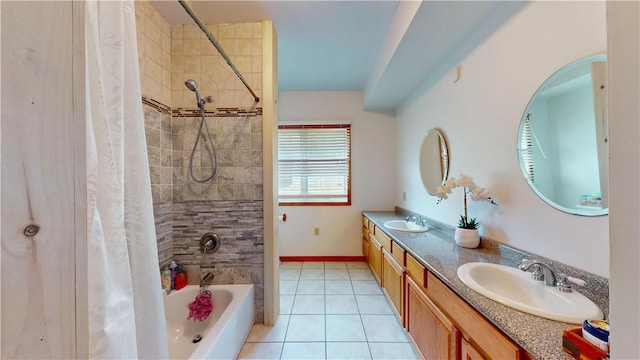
[(386, 49)]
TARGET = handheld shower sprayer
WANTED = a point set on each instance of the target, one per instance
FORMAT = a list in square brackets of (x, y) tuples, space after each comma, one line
[(193, 86)]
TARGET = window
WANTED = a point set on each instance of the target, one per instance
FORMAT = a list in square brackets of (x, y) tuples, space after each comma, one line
[(314, 164), (526, 150)]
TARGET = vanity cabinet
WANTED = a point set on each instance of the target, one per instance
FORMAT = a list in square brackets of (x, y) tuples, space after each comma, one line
[(440, 324), (481, 337), (393, 281), (468, 352), (365, 238), (375, 258), (429, 329)]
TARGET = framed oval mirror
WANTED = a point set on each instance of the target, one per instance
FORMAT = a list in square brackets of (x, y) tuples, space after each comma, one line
[(434, 160), (562, 139)]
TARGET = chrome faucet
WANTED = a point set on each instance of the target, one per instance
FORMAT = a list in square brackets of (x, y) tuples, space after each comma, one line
[(547, 274), (203, 279), (417, 219)]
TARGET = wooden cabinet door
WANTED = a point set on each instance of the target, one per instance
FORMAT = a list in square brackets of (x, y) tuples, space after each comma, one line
[(393, 281), (468, 352), (365, 248), (375, 258), (487, 339), (427, 326)]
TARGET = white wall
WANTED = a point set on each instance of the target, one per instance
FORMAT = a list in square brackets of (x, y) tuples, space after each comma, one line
[(480, 115), (623, 28), (372, 170)]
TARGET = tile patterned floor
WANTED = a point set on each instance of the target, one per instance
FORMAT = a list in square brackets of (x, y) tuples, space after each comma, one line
[(329, 310)]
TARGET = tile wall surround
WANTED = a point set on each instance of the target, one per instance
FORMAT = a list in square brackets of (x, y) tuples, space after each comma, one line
[(194, 57), (154, 52), (239, 225), (157, 126), (230, 204), (238, 142), (163, 215)]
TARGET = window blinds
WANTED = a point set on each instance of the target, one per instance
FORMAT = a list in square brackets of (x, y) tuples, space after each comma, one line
[(314, 164), (526, 150)]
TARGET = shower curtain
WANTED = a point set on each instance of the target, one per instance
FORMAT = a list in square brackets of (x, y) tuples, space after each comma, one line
[(126, 316)]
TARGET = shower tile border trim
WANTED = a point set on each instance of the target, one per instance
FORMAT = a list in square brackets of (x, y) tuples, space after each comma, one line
[(156, 105), (194, 112), (219, 112)]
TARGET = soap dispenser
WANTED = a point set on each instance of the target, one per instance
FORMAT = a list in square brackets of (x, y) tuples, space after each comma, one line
[(181, 278), (166, 278), (173, 266)]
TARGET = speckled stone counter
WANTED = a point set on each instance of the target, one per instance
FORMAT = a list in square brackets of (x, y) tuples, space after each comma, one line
[(437, 250)]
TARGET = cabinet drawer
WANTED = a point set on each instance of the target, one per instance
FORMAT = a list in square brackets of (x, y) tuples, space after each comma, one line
[(383, 238), (416, 271), (484, 337), (398, 253), (365, 222)]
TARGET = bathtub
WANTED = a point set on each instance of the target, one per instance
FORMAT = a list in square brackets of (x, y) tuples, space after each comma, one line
[(223, 332)]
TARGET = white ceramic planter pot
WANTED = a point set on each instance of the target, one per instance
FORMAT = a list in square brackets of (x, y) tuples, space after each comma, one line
[(468, 238)]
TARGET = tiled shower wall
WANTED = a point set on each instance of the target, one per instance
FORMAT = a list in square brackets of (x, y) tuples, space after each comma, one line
[(238, 224), (154, 53), (157, 126), (231, 204)]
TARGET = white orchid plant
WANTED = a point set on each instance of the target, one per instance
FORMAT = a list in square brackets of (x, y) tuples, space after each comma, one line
[(470, 188)]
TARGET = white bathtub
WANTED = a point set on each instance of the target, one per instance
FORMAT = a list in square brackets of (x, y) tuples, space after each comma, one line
[(223, 332)]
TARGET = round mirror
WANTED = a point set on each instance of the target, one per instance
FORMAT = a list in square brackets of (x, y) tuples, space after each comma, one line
[(434, 161), (562, 140)]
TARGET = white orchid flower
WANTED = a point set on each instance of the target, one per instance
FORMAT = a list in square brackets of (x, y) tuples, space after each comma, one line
[(466, 181), (480, 194), (476, 192), (450, 184)]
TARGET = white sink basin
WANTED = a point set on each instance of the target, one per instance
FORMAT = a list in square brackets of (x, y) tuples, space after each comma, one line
[(406, 226), (516, 289)]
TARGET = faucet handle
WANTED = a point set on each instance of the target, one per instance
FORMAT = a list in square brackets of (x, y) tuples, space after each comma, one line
[(563, 283), (537, 273)]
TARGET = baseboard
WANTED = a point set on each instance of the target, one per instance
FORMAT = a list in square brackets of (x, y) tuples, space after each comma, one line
[(322, 258)]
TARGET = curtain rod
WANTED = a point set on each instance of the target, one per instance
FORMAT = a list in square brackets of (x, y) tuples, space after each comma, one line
[(215, 43)]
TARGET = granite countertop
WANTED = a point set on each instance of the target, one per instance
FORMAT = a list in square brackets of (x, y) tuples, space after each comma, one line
[(436, 250)]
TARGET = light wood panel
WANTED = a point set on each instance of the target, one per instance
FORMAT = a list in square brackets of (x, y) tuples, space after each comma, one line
[(80, 186), (429, 329), (398, 253), (383, 238), (38, 145), (468, 352), (375, 258), (491, 342), (365, 248), (417, 271), (393, 281)]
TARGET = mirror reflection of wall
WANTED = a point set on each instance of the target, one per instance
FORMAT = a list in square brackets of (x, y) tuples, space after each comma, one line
[(559, 138), (434, 161)]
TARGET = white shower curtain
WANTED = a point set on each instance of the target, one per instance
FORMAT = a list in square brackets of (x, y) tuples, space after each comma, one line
[(126, 316)]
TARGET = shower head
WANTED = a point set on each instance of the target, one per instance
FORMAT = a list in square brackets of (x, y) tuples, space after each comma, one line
[(193, 86)]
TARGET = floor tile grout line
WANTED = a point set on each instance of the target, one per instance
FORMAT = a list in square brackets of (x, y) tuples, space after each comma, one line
[(360, 315)]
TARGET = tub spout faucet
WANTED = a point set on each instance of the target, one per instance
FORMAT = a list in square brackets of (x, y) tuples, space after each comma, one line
[(208, 276), (548, 275)]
